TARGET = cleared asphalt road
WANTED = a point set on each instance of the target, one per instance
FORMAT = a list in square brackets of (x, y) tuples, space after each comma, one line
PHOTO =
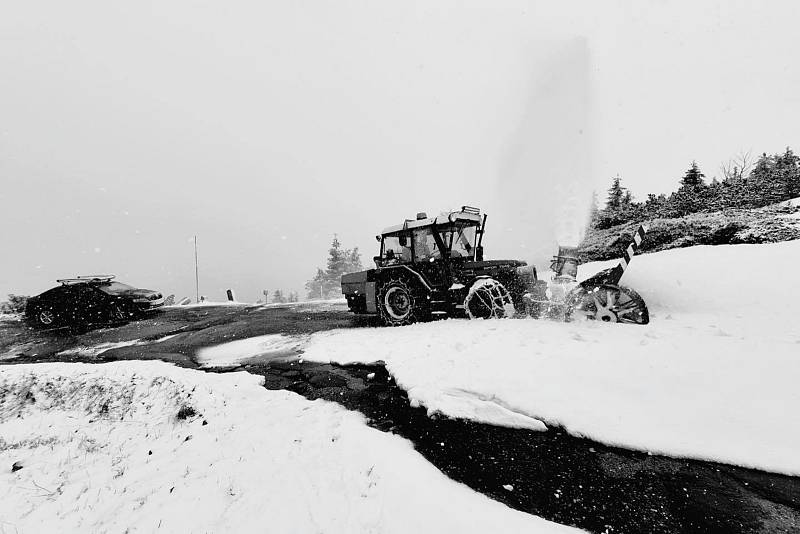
[(192, 328)]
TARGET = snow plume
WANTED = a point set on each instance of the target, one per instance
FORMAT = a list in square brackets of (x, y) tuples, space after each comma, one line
[(545, 176)]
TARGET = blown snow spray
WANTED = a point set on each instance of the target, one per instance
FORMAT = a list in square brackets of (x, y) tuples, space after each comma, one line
[(564, 279)]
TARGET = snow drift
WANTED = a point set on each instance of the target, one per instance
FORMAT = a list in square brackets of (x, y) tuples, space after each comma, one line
[(144, 446)]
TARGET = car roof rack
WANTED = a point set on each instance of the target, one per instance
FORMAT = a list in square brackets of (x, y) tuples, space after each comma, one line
[(86, 278)]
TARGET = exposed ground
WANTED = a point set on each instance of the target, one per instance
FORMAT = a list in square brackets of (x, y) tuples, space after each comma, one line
[(191, 328), (566, 479)]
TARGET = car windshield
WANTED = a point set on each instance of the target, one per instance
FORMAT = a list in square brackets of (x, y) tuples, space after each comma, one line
[(115, 287)]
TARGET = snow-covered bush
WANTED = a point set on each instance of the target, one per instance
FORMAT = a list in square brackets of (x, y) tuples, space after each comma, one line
[(14, 304)]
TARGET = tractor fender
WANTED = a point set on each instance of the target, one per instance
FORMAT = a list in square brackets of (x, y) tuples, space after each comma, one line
[(408, 271)]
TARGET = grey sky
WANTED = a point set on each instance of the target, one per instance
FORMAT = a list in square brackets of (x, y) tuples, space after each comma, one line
[(265, 127)]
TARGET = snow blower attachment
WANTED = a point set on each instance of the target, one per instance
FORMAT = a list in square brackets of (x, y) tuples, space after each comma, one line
[(602, 298), (433, 268)]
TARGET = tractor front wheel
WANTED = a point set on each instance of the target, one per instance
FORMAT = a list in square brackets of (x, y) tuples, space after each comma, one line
[(488, 299), (608, 303)]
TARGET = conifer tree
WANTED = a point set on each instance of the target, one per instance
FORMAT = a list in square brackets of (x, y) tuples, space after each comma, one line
[(354, 261), (615, 194), (315, 286), (337, 259), (693, 177)]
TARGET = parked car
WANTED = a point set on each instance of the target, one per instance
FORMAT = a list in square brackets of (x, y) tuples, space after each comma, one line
[(90, 300)]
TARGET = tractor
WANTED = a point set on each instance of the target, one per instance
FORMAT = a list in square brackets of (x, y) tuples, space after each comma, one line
[(433, 268)]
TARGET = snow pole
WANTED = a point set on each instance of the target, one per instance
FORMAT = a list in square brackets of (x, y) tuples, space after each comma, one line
[(633, 247), (196, 273), (614, 274)]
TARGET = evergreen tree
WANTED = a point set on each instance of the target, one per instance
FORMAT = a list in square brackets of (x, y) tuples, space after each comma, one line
[(766, 184), (689, 196), (315, 286), (616, 193), (787, 166), (278, 297), (627, 199), (773, 178), (354, 261), (337, 260), (693, 177)]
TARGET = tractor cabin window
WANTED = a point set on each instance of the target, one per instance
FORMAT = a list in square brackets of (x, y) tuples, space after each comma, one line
[(396, 249), (425, 247), (460, 241)]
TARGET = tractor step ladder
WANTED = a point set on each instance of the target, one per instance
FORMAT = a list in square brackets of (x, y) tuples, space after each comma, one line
[(439, 304)]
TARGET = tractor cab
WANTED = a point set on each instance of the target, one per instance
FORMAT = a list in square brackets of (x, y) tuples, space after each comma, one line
[(450, 236)]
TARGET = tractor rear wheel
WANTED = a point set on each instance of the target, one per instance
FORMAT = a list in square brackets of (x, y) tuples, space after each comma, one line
[(399, 303), (488, 299), (608, 303)]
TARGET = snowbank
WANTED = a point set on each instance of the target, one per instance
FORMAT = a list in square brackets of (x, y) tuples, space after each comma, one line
[(731, 282), (714, 376), (142, 446)]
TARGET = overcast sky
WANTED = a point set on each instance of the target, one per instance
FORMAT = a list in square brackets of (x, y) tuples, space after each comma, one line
[(266, 127)]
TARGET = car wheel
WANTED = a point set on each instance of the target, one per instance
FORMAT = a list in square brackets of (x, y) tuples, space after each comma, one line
[(118, 313), (45, 318)]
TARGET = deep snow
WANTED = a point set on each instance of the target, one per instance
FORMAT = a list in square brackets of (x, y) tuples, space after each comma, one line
[(713, 376), (102, 449)]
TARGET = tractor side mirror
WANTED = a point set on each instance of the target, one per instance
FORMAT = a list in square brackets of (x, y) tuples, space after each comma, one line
[(479, 253)]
